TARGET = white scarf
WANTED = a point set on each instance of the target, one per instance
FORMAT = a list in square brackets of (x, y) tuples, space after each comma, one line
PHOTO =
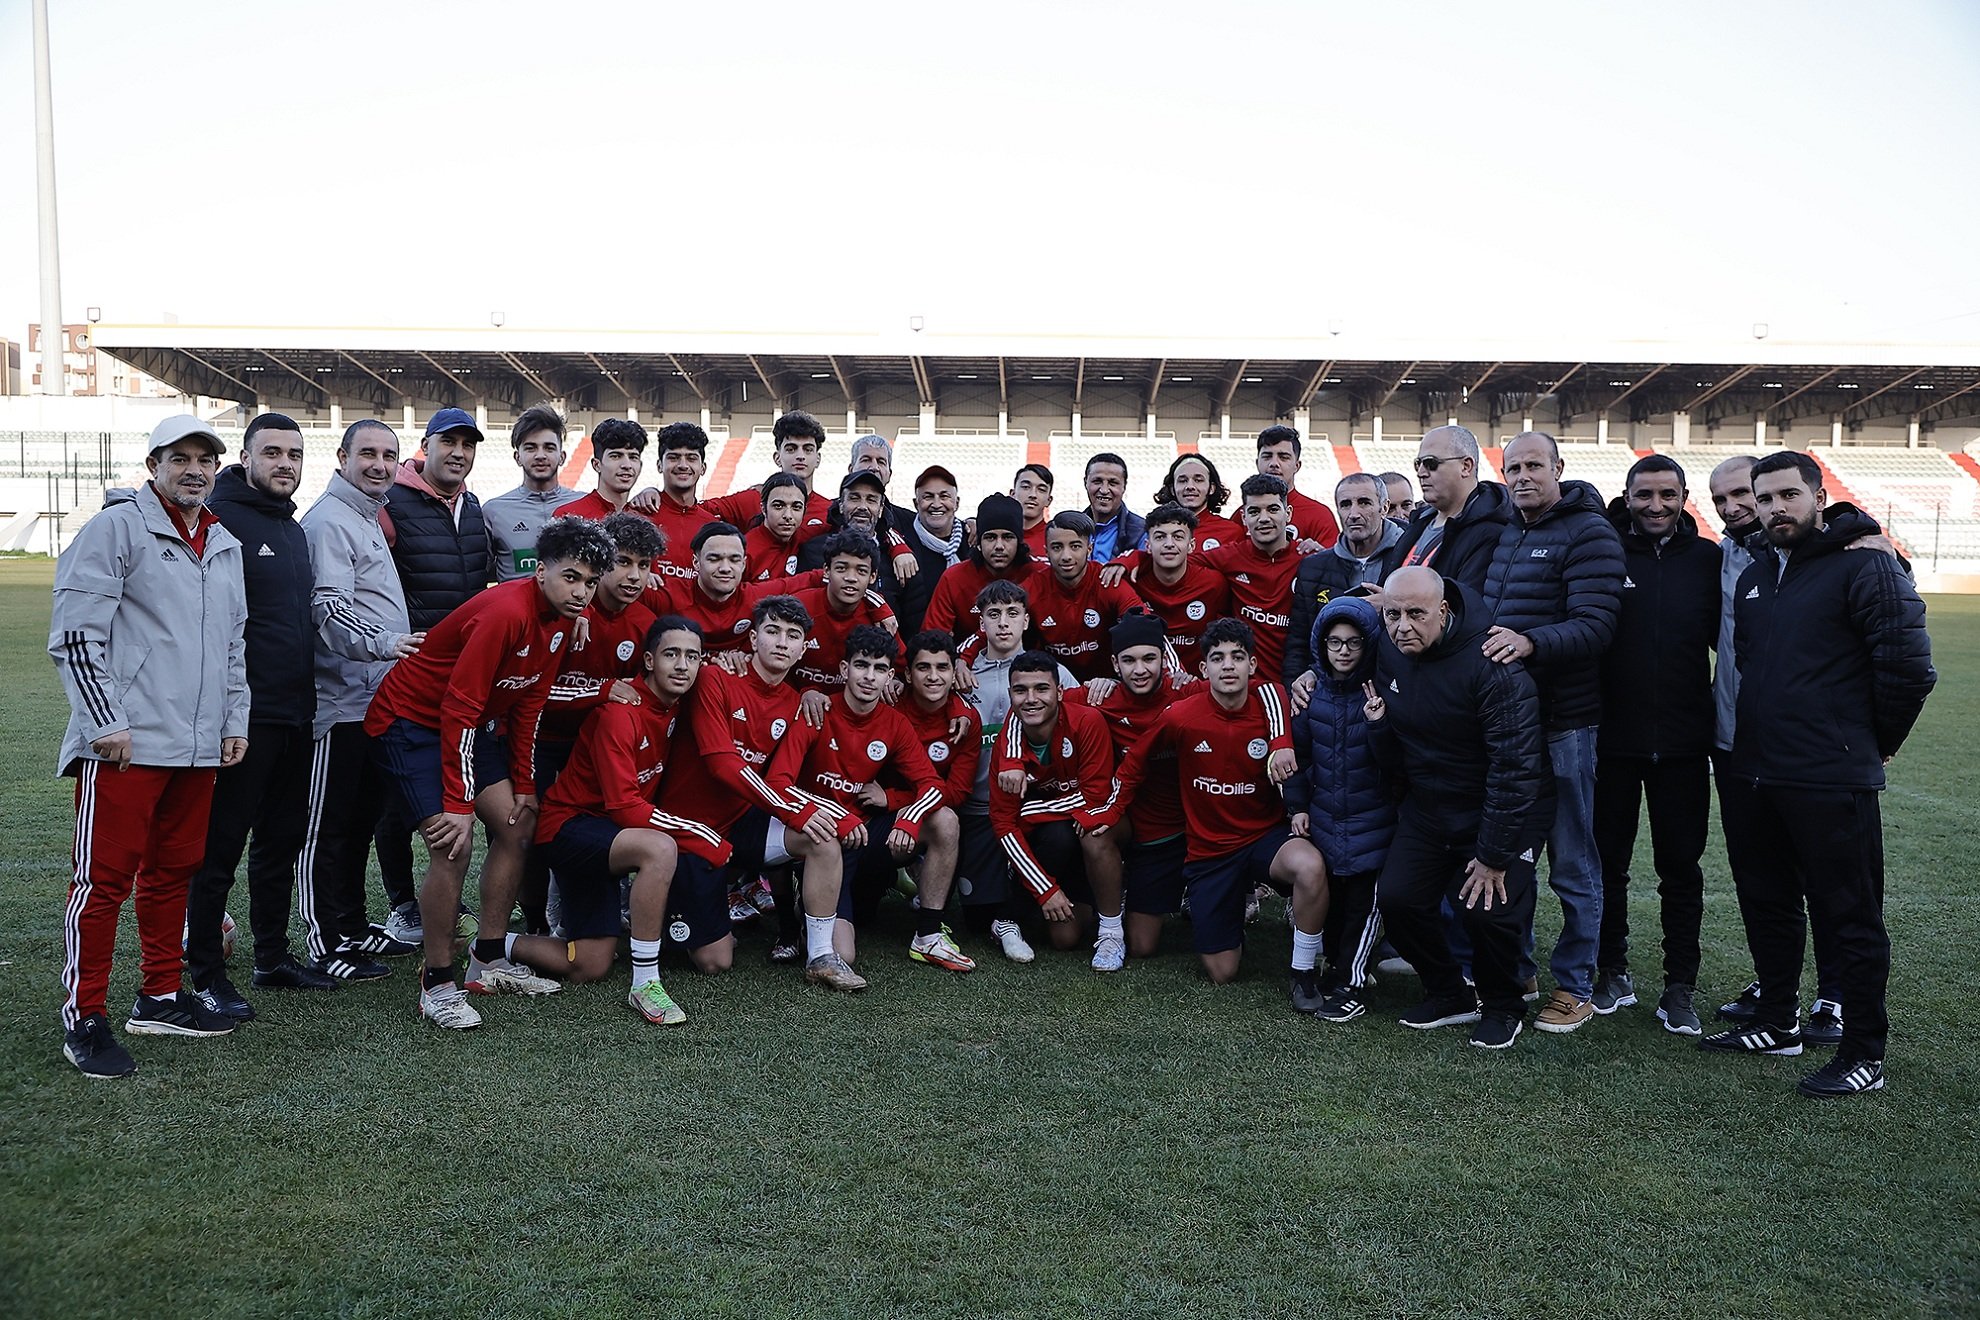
[(949, 548)]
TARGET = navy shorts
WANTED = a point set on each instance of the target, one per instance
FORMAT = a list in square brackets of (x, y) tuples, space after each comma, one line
[(870, 872), (1217, 888), (580, 858), (1153, 876), (983, 873), (747, 843), (697, 903), (1056, 846), (410, 756)]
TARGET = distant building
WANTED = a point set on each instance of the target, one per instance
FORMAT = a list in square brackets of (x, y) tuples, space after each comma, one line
[(86, 372)]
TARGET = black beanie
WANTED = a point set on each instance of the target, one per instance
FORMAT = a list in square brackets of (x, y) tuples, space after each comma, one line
[(999, 513), (1137, 629)]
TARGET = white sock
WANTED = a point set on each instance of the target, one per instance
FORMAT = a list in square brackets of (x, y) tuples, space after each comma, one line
[(818, 935), (1111, 926), (1306, 950), (509, 946), (645, 962)]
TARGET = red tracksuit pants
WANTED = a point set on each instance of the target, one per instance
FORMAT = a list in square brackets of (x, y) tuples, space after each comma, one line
[(140, 829)]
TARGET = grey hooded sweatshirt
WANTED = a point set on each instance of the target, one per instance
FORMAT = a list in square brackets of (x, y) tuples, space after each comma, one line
[(149, 636), (358, 604)]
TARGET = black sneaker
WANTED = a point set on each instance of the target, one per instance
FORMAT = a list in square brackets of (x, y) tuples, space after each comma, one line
[(1306, 994), (1343, 1005), (377, 944), (1496, 1031), (175, 1015), (1840, 1076), (785, 952), (96, 1051), (1442, 1011), (1753, 1039), (292, 975), (221, 997), (1744, 1008), (1825, 1024), (349, 965), (1613, 990), (1676, 1012)]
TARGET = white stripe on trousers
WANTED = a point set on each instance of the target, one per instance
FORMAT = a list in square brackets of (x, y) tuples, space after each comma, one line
[(1364, 945), (79, 895), (319, 784)]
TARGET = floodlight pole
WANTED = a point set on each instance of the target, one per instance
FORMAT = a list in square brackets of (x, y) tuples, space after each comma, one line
[(53, 341)]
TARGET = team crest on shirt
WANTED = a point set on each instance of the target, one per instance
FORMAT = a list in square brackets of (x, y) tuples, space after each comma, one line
[(1195, 609), (790, 566), (1093, 618), (876, 750), (1065, 747), (679, 932), (742, 626), (556, 641), (1256, 749), (777, 728), (938, 752), (626, 649)]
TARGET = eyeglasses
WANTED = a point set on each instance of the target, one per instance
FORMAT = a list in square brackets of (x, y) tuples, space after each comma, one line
[(1343, 643), (1433, 462)]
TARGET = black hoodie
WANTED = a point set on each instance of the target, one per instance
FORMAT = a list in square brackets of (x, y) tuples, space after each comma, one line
[(1557, 581), (1465, 731), (1834, 661), (281, 639), (1657, 676)]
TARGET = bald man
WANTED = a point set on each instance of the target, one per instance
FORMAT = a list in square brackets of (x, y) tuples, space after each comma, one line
[(1465, 732)]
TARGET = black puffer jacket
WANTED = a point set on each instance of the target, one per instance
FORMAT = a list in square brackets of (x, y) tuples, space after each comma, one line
[(1465, 732), (440, 564), (1657, 677), (1834, 661), (1558, 582), (280, 636), (1469, 538)]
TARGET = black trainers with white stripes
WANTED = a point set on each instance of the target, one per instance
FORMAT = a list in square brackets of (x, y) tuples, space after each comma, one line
[(348, 964), (1840, 1076), (221, 997), (377, 944), (1754, 1039), (95, 1050), (175, 1015)]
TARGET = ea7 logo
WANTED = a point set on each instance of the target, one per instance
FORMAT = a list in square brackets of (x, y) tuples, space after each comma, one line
[(1540, 553)]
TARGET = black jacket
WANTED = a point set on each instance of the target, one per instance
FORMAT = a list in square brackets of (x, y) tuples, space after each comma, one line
[(1469, 538), (1558, 582), (1465, 731), (440, 565), (1322, 576), (1657, 676), (1834, 661), (280, 634), (908, 600)]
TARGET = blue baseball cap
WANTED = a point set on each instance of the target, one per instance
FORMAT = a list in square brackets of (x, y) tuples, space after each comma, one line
[(452, 419)]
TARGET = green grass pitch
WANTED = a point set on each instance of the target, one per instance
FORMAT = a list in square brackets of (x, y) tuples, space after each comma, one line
[(1025, 1141)]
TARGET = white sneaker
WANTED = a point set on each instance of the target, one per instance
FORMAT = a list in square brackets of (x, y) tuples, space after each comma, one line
[(1109, 953), (404, 925), (447, 1006), (1011, 936), (503, 977)]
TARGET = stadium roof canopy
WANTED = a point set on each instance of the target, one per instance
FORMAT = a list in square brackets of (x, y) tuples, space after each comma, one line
[(681, 371)]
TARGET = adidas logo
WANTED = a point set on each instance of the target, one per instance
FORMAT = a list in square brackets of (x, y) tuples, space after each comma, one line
[(1527, 856), (833, 743), (523, 654), (1202, 747), (264, 551), (1049, 622), (1752, 592), (644, 744), (1244, 578), (168, 554), (1393, 687), (739, 714), (1628, 582), (520, 527)]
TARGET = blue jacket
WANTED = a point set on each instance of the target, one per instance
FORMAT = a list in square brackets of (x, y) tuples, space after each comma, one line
[(1350, 799)]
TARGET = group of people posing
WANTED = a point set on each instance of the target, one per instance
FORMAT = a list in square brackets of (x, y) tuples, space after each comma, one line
[(672, 715)]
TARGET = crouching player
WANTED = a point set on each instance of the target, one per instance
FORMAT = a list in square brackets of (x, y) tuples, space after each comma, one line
[(434, 721), (1051, 784), (950, 731), (599, 823), (1233, 749), (835, 768), (1150, 839)]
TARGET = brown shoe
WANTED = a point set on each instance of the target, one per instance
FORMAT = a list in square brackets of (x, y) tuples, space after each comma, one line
[(1529, 989), (830, 970), (1564, 1013)]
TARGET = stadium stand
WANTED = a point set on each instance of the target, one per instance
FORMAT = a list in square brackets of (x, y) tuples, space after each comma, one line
[(1147, 458), (1920, 495), (982, 460), (1237, 458)]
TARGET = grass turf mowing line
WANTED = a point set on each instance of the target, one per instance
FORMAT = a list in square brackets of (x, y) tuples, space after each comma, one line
[(1024, 1141)]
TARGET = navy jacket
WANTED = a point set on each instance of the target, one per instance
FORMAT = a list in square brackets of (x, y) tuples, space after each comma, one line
[(1657, 677), (440, 564), (1834, 661), (1350, 799), (275, 568), (1326, 575), (1465, 732), (1469, 538), (1558, 581)]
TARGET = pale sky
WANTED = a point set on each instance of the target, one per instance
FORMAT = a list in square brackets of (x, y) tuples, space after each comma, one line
[(1659, 170)]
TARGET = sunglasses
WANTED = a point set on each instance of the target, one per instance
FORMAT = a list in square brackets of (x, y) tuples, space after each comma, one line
[(1432, 463)]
